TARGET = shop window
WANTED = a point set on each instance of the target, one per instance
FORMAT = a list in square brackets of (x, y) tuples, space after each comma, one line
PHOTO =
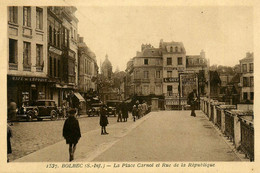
[(169, 61), (27, 16), (39, 21), (13, 14), (12, 51), (179, 60)]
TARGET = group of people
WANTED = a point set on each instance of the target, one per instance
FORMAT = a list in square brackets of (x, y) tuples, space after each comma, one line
[(122, 112), (139, 110)]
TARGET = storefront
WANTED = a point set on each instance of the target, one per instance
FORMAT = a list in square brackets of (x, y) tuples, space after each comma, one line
[(26, 89)]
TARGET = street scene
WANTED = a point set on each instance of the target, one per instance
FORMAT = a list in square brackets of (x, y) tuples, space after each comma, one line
[(81, 88)]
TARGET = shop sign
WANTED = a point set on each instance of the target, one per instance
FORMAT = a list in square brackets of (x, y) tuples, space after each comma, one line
[(29, 79), (54, 50), (171, 79)]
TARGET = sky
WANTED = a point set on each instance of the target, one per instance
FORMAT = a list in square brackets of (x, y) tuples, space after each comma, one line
[(224, 33)]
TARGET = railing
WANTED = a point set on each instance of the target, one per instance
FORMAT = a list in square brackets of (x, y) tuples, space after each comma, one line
[(247, 139), (218, 118), (212, 112), (229, 125)]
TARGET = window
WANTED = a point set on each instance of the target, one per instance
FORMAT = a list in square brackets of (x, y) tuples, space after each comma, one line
[(158, 74), (245, 96), (169, 90), (50, 34), (146, 90), (146, 74), (38, 55), (26, 53), (169, 61), (245, 82), (251, 81), (12, 51), (171, 49), (58, 38), (176, 49), (66, 37), (251, 67), (27, 16), (39, 18), (251, 95), (146, 61), (13, 14), (179, 60), (169, 73), (50, 66), (244, 68), (55, 67)]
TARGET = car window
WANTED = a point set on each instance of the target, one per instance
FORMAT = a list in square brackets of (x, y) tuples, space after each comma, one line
[(40, 103)]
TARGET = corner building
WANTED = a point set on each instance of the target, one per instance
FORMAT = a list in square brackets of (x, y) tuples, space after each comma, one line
[(165, 74)]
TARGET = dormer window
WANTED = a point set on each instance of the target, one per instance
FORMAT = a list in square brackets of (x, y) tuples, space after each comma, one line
[(176, 49)]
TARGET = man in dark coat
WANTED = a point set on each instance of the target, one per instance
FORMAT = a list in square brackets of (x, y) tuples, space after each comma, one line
[(119, 112), (9, 135), (192, 99), (103, 120), (71, 132), (124, 111)]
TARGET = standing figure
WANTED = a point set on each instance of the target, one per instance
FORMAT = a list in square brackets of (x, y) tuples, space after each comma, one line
[(12, 110), (145, 108), (124, 111), (71, 132), (192, 98), (139, 110), (9, 135), (119, 112), (134, 112), (103, 120)]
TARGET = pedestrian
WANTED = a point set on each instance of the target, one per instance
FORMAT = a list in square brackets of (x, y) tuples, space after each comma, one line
[(9, 135), (103, 120), (145, 108), (134, 112), (119, 112), (192, 99), (139, 111), (71, 132), (124, 111), (12, 110)]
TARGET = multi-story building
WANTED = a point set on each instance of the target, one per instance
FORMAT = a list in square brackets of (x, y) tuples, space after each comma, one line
[(247, 78), (27, 61), (87, 68), (165, 73)]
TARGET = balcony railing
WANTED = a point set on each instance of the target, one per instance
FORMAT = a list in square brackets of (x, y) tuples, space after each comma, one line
[(229, 125)]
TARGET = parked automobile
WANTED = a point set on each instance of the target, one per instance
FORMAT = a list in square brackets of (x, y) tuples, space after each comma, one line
[(95, 109), (26, 112), (111, 106), (46, 109)]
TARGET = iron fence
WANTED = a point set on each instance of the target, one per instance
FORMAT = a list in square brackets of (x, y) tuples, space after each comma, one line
[(247, 140), (229, 125)]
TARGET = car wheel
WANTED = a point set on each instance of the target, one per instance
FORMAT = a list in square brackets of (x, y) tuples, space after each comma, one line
[(30, 115), (53, 115)]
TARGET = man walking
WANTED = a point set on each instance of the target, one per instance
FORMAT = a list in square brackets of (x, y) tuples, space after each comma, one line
[(103, 120), (71, 132), (192, 99)]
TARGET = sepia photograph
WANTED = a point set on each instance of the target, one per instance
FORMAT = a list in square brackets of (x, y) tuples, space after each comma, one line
[(129, 86)]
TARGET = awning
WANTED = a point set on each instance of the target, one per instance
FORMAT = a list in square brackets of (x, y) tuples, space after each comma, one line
[(81, 99)]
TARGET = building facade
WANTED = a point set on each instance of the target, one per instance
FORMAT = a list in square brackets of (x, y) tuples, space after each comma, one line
[(165, 73), (27, 61), (247, 78)]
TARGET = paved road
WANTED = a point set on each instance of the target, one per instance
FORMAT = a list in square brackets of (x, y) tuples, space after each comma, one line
[(171, 136), (29, 137)]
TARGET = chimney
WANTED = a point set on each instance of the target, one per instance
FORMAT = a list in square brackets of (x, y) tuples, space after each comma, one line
[(81, 39), (202, 54)]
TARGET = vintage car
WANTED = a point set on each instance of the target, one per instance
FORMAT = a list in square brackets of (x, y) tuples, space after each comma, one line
[(111, 106), (95, 109), (46, 109), (26, 112)]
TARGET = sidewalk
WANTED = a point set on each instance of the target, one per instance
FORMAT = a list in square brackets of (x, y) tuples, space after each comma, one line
[(91, 144)]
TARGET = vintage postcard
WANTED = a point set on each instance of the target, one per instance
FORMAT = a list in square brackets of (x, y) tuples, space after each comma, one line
[(122, 86)]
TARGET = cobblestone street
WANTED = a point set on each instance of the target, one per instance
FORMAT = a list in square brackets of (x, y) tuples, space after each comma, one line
[(29, 137)]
